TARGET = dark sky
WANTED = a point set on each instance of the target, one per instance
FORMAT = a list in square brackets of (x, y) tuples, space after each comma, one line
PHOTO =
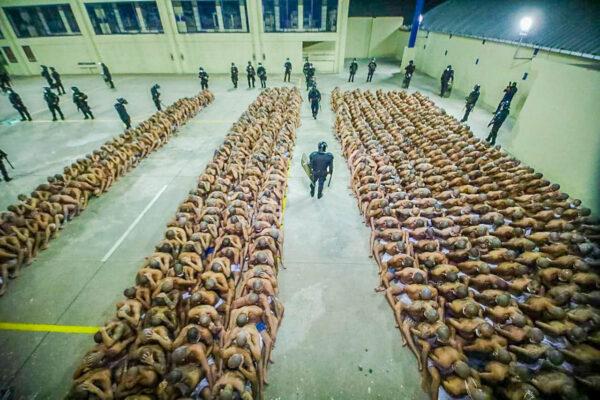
[(388, 8)]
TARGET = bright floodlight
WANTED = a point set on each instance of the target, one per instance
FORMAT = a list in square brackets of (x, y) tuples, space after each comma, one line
[(420, 18), (526, 23)]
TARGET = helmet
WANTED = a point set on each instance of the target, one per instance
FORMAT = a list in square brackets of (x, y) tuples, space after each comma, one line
[(121, 100), (75, 88), (322, 146)]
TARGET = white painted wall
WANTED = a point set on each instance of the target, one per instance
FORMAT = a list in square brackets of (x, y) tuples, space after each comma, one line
[(373, 37)]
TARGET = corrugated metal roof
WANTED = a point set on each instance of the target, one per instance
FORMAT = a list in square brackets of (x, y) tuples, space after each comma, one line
[(569, 26)]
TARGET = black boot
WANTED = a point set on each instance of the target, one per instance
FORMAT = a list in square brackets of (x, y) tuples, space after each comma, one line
[(312, 190)]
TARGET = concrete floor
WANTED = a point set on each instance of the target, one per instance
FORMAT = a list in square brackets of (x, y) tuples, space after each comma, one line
[(337, 340)]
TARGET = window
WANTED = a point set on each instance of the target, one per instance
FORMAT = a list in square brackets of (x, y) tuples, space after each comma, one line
[(312, 15), (36, 21), (192, 16), (208, 14), (316, 15), (9, 54), (124, 17), (29, 53)]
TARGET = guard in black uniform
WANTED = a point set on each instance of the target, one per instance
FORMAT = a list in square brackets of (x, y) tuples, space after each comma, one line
[(305, 67), (447, 76), (156, 96), (471, 101), (321, 164), (314, 96), (372, 67), (57, 81), (107, 76), (52, 101), (497, 122), (288, 70), (5, 176), (17, 103), (262, 75), (80, 100), (203, 78), (353, 69), (409, 70), (310, 75), (46, 74), (250, 74), (234, 75), (122, 111)]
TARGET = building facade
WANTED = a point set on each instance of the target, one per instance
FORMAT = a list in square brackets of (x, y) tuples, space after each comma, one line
[(170, 36)]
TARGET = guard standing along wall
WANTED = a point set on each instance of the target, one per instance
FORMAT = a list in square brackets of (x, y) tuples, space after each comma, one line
[(489, 64), (558, 131)]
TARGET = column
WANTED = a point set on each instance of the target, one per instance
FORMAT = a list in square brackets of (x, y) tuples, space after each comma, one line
[(196, 16), (243, 16), (140, 17), (118, 17), (65, 22), (169, 24), (87, 31), (277, 11), (300, 15), (219, 9), (341, 29), (324, 15), (255, 21)]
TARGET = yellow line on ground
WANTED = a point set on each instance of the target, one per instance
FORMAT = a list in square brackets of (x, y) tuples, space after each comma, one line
[(15, 326), (284, 202)]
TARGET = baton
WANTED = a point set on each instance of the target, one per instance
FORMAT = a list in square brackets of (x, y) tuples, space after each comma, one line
[(329, 183)]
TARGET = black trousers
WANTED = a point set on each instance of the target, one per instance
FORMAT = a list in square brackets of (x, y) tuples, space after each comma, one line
[(319, 181), (127, 121), (467, 112), (286, 76), (109, 82), (351, 78), (157, 104), (444, 88), (493, 133), (24, 113), (53, 110), (370, 76), (235, 81), (3, 171), (251, 81), (59, 88), (87, 113), (204, 85), (263, 83), (314, 106)]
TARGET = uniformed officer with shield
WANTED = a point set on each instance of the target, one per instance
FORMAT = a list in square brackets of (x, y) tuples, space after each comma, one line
[(319, 165)]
